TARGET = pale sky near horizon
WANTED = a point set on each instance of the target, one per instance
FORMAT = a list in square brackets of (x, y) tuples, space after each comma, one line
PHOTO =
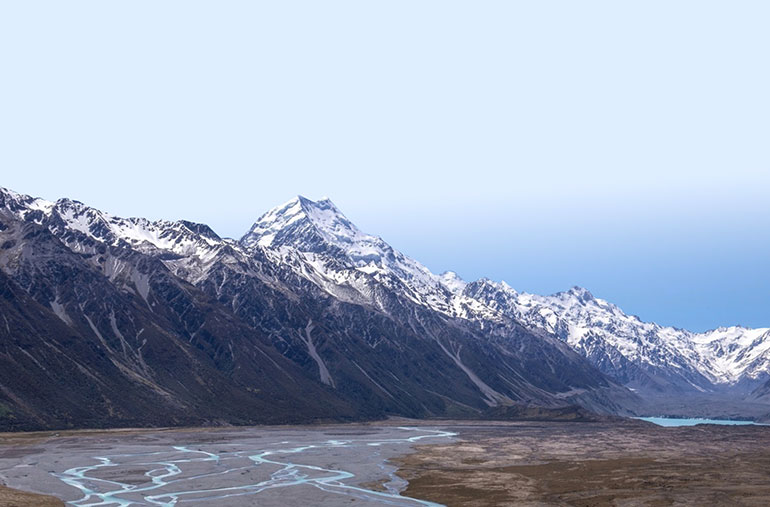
[(620, 146)]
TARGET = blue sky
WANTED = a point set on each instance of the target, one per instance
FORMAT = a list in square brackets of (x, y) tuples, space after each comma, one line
[(621, 146)]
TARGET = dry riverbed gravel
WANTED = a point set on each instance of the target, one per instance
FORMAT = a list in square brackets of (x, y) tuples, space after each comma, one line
[(395, 462)]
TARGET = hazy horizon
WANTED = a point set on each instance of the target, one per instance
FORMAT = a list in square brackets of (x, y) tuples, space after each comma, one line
[(594, 144)]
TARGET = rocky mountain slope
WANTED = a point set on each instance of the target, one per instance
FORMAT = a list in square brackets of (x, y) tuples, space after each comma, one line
[(113, 321), (642, 355), (97, 333)]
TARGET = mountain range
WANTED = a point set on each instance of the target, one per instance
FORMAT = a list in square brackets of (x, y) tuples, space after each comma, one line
[(110, 321)]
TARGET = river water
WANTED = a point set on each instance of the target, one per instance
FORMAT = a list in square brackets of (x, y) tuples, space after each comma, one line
[(672, 422), (235, 468)]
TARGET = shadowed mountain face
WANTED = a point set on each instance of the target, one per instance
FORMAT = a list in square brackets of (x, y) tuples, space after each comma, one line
[(82, 347), (674, 369), (110, 321)]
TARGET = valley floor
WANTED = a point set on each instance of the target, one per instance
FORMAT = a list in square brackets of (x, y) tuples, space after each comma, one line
[(395, 462), (593, 464), (15, 498), (322, 465)]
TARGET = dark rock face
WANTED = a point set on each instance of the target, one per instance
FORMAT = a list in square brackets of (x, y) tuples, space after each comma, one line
[(125, 322), (82, 350)]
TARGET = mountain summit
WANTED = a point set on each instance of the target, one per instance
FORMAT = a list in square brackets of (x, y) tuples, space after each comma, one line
[(319, 227), (335, 247)]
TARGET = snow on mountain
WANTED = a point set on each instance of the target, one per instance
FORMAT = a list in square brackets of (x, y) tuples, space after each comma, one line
[(319, 243), (181, 237), (602, 331), (314, 227), (156, 297), (342, 255), (188, 247), (736, 352), (453, 282)]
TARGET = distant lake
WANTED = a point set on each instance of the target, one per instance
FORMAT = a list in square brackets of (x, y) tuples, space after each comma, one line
[(668, 421)]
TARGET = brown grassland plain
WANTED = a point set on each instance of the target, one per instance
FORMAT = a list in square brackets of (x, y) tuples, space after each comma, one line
[(593, 464)]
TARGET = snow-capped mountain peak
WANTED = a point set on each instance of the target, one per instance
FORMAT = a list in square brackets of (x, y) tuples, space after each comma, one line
[(300, 216), (72, 219), (580, 293), (21, 204), (312, 225), (180, 237), (339, 251), (453, 282), (601, 329)]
